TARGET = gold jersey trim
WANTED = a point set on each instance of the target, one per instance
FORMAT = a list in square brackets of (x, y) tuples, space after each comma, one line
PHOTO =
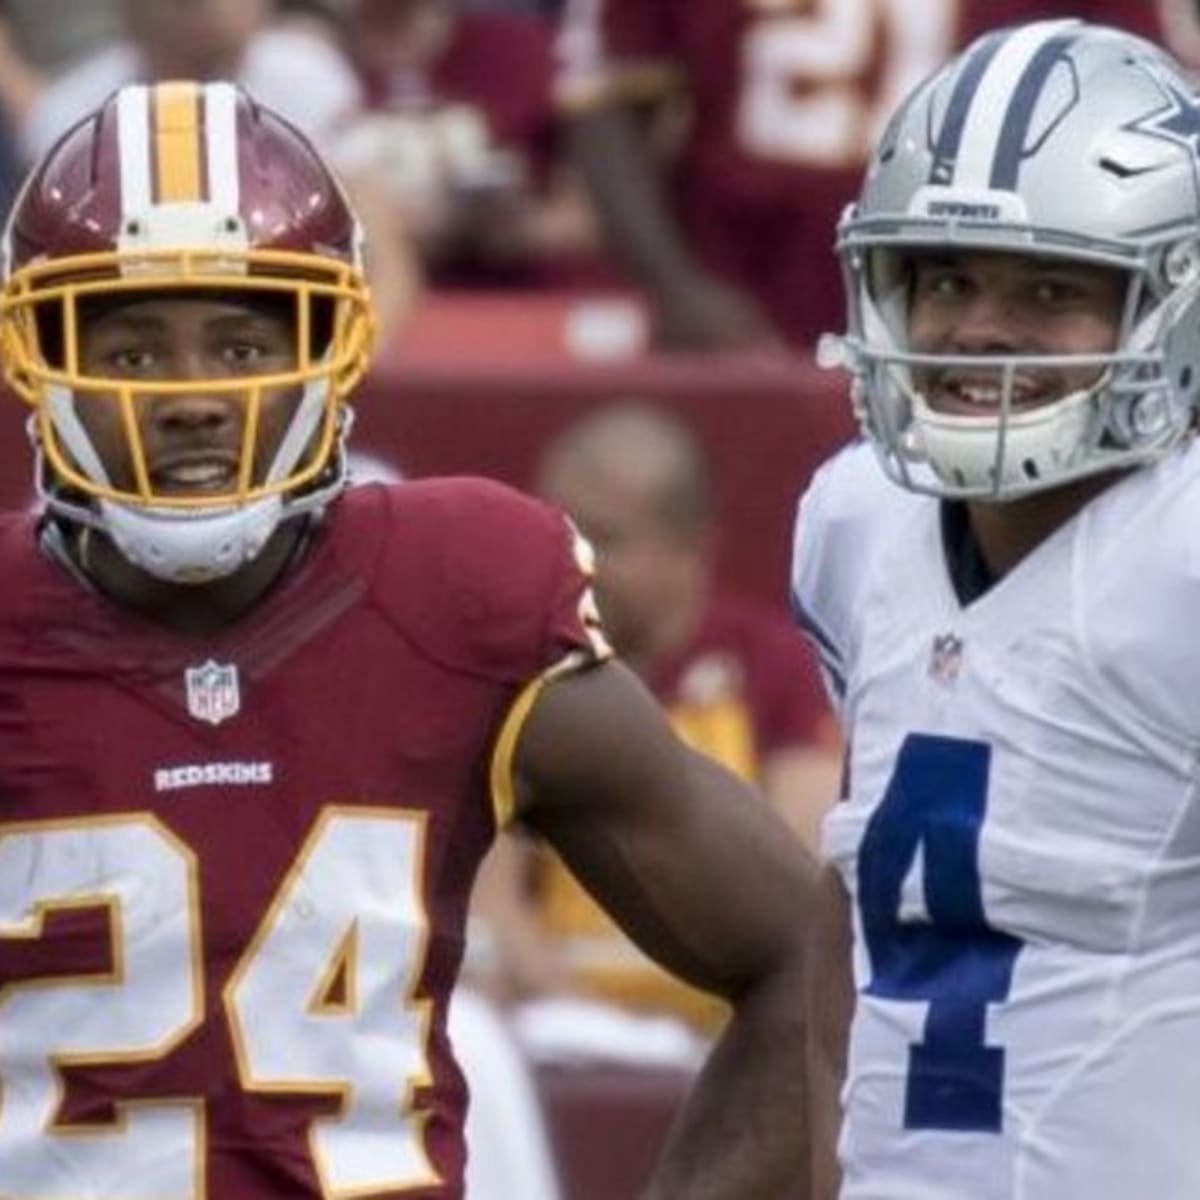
[(503, 785)]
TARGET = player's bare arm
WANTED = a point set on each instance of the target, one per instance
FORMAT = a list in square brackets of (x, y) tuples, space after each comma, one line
[(708, 881)]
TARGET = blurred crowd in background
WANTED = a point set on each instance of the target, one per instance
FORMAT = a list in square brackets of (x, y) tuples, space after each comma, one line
[(697, 151), (694, 154)]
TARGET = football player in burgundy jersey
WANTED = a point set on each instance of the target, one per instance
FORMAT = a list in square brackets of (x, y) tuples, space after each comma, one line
[(256, 732), (459, 123), (785, 99)]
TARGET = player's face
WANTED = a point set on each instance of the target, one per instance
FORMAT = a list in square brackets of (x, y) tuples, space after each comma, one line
[(977, 303), (191, 440)]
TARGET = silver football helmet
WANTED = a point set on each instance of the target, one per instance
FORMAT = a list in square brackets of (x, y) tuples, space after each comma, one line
[(1058, 139)]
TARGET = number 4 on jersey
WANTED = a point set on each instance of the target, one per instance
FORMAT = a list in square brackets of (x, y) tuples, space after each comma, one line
[(934, 806)]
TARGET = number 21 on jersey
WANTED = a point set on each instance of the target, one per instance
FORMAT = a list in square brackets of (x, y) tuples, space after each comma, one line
[(820, 77), (954, 961)]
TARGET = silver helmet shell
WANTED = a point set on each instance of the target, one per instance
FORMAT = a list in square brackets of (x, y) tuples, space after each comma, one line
[(1058, 139)]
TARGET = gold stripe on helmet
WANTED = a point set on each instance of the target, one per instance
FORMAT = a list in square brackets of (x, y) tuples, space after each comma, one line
[(179, 168)]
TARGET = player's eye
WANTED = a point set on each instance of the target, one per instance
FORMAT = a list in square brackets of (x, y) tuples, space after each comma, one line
[(1054, 292), (245, 353), (941, 282), (130, 360), (259, 354)]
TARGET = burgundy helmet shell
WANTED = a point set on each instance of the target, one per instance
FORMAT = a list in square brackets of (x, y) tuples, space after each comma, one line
[(147, 151)]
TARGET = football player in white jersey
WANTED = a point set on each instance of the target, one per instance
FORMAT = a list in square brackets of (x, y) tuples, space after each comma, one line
[(1011, 633)]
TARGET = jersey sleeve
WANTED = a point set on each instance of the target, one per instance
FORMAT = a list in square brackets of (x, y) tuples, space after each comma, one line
[(834, 533), (488, 581), (493, 584)]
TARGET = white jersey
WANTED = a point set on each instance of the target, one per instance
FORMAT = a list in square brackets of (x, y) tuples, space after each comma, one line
[(1021, 841)]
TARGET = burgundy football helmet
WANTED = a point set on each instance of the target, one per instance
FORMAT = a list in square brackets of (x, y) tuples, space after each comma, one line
[(185, 189)]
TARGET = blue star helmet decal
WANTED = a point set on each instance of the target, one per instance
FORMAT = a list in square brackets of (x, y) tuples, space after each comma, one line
[(1179, 123)]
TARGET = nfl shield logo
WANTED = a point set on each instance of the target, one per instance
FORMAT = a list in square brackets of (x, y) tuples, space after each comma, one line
[(946, 660), (212, 692)]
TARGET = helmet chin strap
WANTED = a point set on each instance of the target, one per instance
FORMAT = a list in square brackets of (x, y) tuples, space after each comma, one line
[(199, 547), (191, 548)]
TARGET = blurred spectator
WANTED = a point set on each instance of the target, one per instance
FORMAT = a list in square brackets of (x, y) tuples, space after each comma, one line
[(53, 32), (540, 8), (460, 121), (1180, 21), (729, 225), (733, 677), (291, 69), (323, 12), (20, 85), (10, 166), (21, 82), (203, 39)]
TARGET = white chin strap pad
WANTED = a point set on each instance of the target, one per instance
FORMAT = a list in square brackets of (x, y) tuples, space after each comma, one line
[(180, 547), (1039, 445)]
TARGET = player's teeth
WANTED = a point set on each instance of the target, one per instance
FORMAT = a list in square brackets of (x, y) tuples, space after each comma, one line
[(985, 396), (196, 473)]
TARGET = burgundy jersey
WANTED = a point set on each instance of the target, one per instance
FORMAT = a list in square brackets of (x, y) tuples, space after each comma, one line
[(786, 98), (234, 869)]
